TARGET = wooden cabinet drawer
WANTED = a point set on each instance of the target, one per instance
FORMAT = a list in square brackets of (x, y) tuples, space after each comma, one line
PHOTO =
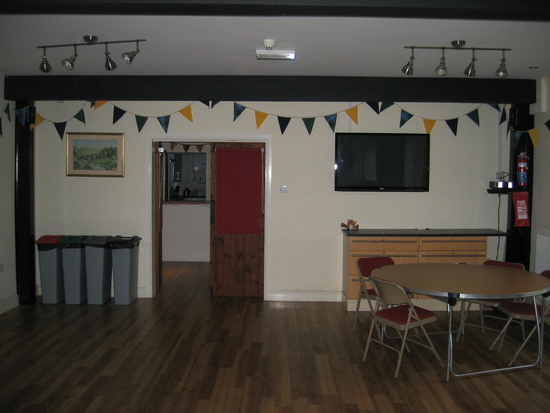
[(383, 243), (452, 243), (466, 257)]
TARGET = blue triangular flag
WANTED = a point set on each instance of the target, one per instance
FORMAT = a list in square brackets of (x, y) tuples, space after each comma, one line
[(0, 127), (80, 116), (61, 128), (7, 112), (309, 122), (141, 120), (117, 114), (385, 105), (22, 115), (375, 106), (164, 121), (453, 125), (495, 106), (502, 117), (205, 102), (214, 103), (283, 123), (331, 120), (405, 117), (237, 110), (474, 115), (516, 136), (547, 124)]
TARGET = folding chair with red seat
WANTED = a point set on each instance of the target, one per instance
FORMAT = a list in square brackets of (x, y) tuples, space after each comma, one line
[(365, 266), (522, 311), (400, 314)]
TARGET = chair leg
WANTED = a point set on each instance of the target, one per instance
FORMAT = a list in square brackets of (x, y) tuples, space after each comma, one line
[(522, 345), (501, 335), (400, 357), (357, 311), (369, 338), (432, 345)]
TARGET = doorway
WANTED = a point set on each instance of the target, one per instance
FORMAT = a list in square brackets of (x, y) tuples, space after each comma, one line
[(236, 259)]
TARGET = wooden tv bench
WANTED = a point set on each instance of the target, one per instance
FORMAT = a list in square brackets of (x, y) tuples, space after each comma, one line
[(407, 246)]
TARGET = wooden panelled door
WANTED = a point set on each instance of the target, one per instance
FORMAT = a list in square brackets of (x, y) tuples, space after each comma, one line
[(237, 221)]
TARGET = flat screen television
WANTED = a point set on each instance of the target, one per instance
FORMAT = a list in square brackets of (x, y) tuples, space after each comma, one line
[(390, 162)]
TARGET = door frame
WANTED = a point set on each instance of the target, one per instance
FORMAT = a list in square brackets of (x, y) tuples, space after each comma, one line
[(212, 139)]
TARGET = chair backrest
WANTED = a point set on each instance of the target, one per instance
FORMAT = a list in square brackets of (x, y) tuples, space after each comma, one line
[(494, 263), (366, 265), (389, 293), (546, 273)]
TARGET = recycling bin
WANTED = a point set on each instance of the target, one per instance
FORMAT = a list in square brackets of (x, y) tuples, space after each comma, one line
[(125, 252), (51, 269), (74, 268), (98, 268)]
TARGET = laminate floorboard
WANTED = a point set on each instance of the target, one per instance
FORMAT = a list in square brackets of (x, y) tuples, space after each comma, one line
[(186, 351)]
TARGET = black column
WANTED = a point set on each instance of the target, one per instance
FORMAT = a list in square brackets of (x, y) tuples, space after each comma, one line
[(24, 206), (518, 239)]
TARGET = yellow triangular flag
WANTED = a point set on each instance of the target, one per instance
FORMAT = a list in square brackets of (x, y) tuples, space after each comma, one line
[(260, 118), (186, 111), (429, 125), (99, 103), (534, 134), (353, 113), (39, 119)]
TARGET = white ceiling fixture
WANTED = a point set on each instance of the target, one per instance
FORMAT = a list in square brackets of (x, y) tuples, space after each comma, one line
[(269, 53)]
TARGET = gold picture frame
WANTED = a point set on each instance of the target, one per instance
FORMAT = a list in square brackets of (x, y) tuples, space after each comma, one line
[(95, 154)]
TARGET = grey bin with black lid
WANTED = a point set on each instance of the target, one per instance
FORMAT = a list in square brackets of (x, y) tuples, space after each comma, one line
[(74, 268), (125, 252), (99, 267), (51, 269)]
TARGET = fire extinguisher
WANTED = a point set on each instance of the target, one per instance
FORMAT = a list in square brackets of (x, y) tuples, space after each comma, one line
[(522, 169)]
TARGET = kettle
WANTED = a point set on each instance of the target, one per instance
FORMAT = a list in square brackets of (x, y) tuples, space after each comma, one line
[(186, 192)]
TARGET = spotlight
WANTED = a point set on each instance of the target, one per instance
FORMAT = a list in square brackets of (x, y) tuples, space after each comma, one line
[(109, 63), (89, 40), (441, 69), (471, 69), (408, 68), (457, 45), (501, 71), (45, 66), (128, 57), (68, 63)]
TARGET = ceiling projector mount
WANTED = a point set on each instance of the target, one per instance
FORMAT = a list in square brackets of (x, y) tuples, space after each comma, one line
[(269, 53)]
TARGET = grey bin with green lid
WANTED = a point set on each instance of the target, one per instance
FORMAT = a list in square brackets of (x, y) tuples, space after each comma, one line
[(99, 267), (74, 268), (51, 269), (125, 252)]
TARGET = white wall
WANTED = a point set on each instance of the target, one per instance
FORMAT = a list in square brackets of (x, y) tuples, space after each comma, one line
[(8, 286), (303, 237)]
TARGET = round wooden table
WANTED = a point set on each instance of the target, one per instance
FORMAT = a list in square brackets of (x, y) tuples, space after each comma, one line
[(453, 282)]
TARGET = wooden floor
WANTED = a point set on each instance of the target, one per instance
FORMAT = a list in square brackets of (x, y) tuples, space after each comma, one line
[(185, 351)]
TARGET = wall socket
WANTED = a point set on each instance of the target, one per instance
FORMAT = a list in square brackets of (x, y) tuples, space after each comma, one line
[(501, 175)]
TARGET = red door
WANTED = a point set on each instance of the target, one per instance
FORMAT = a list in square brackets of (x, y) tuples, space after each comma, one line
[(237, 227)]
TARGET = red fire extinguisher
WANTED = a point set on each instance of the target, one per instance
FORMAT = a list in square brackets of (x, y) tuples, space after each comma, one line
[(522, 169)]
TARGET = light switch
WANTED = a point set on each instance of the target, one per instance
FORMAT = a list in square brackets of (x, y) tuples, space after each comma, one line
[(283, 189)]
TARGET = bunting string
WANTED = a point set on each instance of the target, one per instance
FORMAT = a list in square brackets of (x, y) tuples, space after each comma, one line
[(260, 117)]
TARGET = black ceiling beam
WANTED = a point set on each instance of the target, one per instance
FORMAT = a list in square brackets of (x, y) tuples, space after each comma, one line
[(270, 88), (533, 10)]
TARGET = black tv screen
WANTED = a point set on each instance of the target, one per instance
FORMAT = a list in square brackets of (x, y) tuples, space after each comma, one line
[(382, 162)]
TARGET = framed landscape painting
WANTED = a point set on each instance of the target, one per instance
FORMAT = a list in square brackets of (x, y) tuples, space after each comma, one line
[(95, 154)]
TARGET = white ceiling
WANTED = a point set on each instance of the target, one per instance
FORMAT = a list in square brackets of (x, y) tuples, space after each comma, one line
[(225, 45)]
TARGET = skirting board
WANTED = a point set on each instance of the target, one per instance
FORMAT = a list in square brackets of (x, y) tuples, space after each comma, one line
[(9, 303)]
